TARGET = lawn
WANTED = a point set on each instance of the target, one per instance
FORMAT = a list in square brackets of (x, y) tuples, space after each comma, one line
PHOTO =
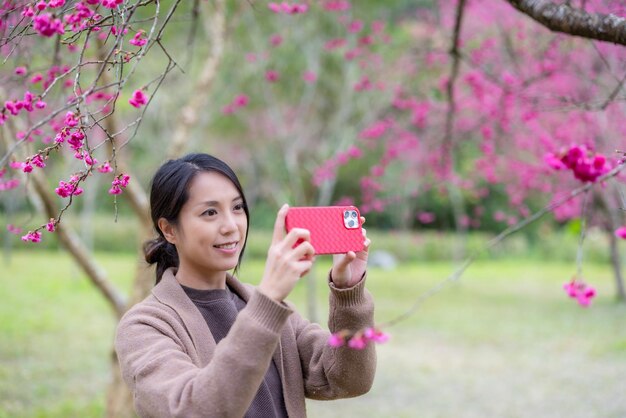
[(504, 341)]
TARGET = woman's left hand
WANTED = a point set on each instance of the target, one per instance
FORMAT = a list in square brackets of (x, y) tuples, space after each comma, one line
[(348, 269)]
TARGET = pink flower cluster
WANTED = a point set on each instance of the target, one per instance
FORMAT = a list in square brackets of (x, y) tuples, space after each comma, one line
[(7, 184), (581, 291), (32, 237), (67, 189), (375, 130), (111, 4), (105, 168), (120, 182), (272, 76), (586, 165), (139, 99), (81, 17), (336, 5), (290, 9), (36, 160), (45, 24), (14, 107), (138, 39), (359, 340), (239, 101)]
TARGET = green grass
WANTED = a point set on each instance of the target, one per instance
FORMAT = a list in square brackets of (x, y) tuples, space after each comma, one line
[(503, 341)]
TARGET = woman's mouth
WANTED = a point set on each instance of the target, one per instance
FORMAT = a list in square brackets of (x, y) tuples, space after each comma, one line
[(227, 246)]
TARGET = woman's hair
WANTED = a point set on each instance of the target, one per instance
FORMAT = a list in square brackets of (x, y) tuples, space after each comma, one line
[(169, 192)]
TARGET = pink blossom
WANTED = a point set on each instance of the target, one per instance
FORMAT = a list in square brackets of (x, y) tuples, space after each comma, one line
[(309, 77), (378, 26), (375, 335), (111, 4), (105, 168), (334, 44), (336, 5), (374, 131), (554, 162), (276, 40), (139, 99), (50, 226), (285, 7), (89, 160), (581, 291), (355, 26), (119, 183), (38, 161), (354, 152), (9, 184), (47, 26), (56, 3), (241, 100), (14, 229), (32, 237), (272, 76), (138, 39), (27, 168), (357, 342), (28, 12), (41, 5), (621, 232), (66, 189), (336, 340), (275, 7), (20, 71), (426, 217)]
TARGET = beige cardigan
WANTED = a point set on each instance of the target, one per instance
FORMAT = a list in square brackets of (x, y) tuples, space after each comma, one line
[(170, 360)]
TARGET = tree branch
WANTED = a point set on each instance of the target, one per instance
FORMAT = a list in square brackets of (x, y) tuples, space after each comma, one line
[(575, 22)]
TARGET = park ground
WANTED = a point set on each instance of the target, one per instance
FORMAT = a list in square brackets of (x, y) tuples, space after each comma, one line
[(503, 341)]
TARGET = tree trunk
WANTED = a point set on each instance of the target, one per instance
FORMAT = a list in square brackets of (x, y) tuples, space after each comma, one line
[(612, 223)]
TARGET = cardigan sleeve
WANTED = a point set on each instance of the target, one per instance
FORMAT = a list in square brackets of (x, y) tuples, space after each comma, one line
[(342, 372), (165, 380)]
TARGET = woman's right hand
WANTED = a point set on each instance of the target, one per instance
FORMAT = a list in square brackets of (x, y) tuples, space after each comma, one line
[(286, 262)]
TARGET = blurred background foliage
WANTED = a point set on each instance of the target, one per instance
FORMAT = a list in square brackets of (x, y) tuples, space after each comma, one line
[(273, 154)]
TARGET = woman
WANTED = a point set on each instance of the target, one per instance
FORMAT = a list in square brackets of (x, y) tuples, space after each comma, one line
[(205, 345)]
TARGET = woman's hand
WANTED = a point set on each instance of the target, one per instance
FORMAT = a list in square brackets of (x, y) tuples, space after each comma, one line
[(348, 269), (289, 257)]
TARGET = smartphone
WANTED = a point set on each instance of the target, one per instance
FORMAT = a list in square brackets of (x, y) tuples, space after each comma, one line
[(334, 229)]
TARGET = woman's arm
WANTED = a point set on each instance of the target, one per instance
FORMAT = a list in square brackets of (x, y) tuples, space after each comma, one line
[(342, 372)]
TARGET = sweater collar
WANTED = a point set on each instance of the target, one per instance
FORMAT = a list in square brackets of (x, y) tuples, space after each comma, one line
[(170, 293)]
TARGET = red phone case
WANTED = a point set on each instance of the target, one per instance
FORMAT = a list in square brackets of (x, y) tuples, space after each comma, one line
[(331, 231)]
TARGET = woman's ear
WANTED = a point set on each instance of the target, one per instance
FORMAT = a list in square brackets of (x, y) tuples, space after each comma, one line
[(168, 230)]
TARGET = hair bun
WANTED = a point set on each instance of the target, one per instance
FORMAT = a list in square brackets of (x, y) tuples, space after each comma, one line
[(161, 252)]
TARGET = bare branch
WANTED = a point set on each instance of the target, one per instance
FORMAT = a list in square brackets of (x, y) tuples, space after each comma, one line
[(576, 22), (498, 239)]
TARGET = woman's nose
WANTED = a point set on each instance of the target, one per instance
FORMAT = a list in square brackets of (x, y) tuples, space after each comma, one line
[(229, 224)]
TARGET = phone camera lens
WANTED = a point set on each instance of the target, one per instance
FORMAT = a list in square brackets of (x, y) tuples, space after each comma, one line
[(346, 214), (351, 224), (353, 214)]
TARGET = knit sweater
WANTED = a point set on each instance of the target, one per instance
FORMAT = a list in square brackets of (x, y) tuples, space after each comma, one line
[(172, 364), (219, 308)]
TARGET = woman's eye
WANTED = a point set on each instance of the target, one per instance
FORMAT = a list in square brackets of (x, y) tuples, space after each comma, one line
[(239, 207), (210, 212)]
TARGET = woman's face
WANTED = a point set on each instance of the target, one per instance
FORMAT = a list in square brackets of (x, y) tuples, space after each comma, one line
[(212, 227)]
